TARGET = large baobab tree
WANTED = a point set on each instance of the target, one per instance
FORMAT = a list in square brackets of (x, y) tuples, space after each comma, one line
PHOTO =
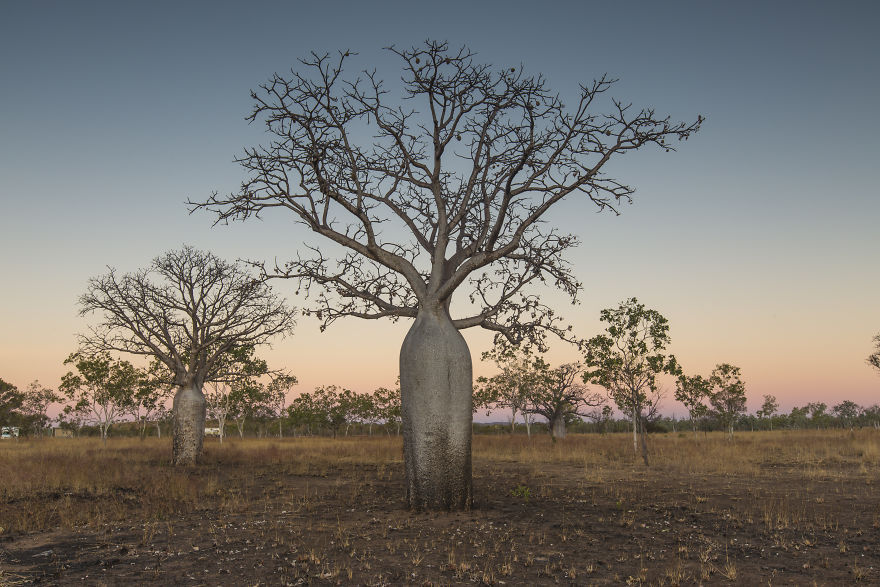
[(439, 183), (189, 310)]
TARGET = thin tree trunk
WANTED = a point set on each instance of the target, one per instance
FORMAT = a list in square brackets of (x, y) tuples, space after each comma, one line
[(635, 423), (644, 435), (436, 385)]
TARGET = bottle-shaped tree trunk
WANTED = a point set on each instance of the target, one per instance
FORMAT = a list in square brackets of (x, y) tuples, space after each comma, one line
[(436, 387), (188, 425), (557, 427)]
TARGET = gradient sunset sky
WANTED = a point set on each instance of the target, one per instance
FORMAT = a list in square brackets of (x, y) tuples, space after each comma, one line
[(758, 239)]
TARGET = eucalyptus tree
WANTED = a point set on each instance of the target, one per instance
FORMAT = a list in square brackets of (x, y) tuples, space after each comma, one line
[(387, 402), (148, 404), (768, 409), (189, 309), (440, 184), (514, 385), (36, 400), (847, 413), (627, 361), (727, 396), (276, 396), (11, 400), (692, 391), (102, 389)]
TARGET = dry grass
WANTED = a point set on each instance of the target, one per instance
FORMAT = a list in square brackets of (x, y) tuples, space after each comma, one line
[(580, 511)]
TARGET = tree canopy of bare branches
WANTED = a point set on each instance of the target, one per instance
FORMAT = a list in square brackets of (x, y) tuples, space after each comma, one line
[(443, 181), (429, 186), (189, 310)]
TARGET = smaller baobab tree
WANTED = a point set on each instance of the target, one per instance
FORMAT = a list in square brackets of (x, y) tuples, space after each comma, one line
[(728, 396), (188, 310), (559, 397), (627, 361), (692, 391)]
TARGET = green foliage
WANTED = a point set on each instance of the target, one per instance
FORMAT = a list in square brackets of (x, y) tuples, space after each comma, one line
[(628, 358), (102, 389), (728, 396), (36, 401), (11, 400), (692, 391), (847, 411), (522, 492), (769, 407), (521, 374)]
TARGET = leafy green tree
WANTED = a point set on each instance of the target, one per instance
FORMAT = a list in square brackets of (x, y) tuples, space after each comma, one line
[(328, 407), (239, 390), (276, 397), (601, 417), (102, 388), (149, 402), (627, 361), (768, 409), (870, 416), (797, 418), (11, 401), (513, 386), (692, 391), (728, 396), (847, 412), (35, 405), (387, 401), (818, 414)]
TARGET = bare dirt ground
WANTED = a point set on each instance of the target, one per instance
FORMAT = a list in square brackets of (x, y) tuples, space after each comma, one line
[(795, 510)]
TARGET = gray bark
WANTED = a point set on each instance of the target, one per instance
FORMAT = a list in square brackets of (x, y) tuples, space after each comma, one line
[(557, 427), (436, 386), (188, 425)]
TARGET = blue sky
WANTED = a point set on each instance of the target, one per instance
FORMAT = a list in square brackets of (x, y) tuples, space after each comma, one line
[(757, 239)]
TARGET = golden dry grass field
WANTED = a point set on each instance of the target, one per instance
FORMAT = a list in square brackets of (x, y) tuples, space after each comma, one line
[(778, 508)]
